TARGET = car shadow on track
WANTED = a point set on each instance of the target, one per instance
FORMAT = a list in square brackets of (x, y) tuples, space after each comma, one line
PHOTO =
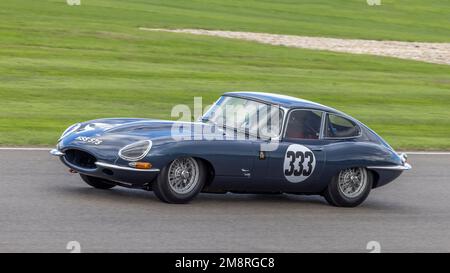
[(125, 195), (120, 196)]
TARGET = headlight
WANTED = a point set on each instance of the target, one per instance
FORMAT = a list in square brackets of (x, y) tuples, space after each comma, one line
[(136, 151), (70, 130)]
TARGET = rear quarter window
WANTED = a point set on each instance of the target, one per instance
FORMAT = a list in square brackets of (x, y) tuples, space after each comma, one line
[(340, 127)]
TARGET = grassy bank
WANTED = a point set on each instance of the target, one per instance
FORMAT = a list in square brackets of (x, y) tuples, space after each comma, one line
[(61, 64)]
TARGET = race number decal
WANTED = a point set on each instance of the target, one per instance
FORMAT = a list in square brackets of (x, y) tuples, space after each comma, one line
[(299, 163)]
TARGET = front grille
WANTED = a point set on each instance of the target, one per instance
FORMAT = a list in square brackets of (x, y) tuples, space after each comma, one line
[(80, 159)]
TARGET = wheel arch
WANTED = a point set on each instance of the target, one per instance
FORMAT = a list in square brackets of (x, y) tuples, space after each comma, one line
[(374, 174), (210, 169), (375, 177)]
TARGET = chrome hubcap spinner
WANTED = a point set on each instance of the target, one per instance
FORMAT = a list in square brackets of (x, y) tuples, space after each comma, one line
[(352, 182), (183, 175)]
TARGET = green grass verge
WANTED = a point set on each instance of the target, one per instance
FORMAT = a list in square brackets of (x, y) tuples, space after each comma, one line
[(61, 64)]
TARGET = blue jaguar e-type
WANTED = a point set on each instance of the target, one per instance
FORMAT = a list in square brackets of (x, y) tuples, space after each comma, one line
[(248, 142)]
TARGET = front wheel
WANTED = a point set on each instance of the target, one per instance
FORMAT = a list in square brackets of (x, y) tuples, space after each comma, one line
[(180, 181), (96, 182), (349, 188)]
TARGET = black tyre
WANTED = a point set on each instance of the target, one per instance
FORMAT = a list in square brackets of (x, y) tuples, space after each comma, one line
[(97, 183), (180, 181), (349, 188)]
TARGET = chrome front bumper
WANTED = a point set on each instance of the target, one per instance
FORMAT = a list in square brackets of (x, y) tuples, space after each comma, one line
[(122, 168), (56, 152)]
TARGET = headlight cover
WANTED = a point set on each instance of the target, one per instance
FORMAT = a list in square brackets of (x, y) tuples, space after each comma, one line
[(135, 151), (70, 130)]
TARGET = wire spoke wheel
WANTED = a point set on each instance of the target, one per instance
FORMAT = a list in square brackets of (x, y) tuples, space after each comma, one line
[(183, 175), (352, 182)]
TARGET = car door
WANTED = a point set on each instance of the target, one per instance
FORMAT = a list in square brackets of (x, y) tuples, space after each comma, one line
[(297, 163), (244, 164), (234, 159)]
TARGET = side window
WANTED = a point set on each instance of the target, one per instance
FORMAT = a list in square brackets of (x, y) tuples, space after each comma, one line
[(304, 124), (336, 126)]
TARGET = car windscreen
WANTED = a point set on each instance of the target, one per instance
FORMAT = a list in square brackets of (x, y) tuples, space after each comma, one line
[(244, 115)]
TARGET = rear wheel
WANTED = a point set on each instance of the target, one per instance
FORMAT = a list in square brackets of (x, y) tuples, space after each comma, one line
[(180, 181), (349, 188), (97, 183)]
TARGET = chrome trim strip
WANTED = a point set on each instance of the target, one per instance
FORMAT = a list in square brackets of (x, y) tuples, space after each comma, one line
[(283, 126), (56, 152), (393, 168), (322, 125), (112, 166)]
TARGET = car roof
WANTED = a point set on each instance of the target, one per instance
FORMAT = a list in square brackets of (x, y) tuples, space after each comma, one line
[(282, 100)]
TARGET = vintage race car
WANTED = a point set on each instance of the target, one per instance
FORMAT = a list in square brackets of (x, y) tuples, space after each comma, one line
[(273, 144)]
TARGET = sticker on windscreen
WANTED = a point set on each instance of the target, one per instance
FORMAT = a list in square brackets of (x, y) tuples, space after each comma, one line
[(299, 163)]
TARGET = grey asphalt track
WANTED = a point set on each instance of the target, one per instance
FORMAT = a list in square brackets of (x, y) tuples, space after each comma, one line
[(43, 207)]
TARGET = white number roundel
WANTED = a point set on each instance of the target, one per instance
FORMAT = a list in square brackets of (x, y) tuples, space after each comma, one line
[(299, 163)]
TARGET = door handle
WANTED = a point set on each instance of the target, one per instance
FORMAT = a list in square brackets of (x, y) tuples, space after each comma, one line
[(317, 149)]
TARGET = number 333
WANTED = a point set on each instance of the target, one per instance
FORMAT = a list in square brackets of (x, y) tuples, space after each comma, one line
[(299, 163)]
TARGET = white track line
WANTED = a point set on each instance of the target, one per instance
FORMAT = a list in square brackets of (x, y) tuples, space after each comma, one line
[(427, 153), (23, 149), (48, 149)]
